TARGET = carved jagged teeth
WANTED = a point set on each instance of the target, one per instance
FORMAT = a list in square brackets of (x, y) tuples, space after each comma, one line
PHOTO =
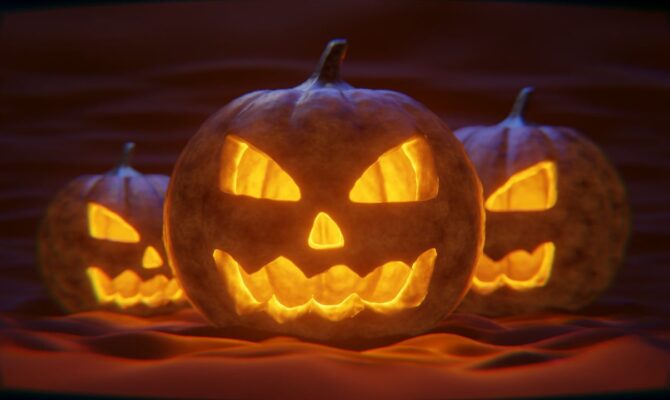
[(284, 292), (519, 270), (128, 289)]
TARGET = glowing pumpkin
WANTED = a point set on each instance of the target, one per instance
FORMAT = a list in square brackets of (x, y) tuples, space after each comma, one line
[(100, 244), (324, 211), (557, 219)]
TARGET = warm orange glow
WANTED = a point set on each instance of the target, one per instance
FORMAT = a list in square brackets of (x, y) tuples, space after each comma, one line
[(128, 289), (108, 225), (325, 233), (518, 270), (247, 171), (404, 173), (151, 258), (533, 189), (281, 289)]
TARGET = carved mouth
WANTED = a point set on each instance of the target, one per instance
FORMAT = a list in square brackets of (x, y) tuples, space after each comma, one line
[(282, 291), (128, 289), (518, 270)]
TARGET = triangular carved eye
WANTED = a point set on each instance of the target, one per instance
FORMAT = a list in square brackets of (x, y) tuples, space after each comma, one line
[(403, 174), (532, 189), (105, 224), (247, 171)]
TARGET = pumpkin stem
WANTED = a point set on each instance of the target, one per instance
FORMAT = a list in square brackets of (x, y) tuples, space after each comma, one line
[(327, 73), (516, 116), (123, 167), (126, 154)]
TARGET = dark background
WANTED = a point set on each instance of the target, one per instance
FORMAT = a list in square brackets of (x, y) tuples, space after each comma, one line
[(78, 81)]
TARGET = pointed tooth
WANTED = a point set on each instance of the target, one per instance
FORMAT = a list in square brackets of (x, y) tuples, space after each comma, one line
[(536, 271), (367, 285), (391, 279), (416, 287), (154, 285), (290, 285), (127, 283), (103, 288), (174, 291), (523, 265), (259, 284), (171, 288), (489, 270), (335, 285), (229, 268)]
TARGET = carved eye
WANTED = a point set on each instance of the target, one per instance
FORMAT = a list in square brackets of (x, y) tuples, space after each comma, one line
[(105, 224), (533, 189), (247, 171), (403, 174)]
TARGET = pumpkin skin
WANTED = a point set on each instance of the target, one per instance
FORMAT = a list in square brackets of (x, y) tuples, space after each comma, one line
[(577, 227), (100, 244), (324, 135)]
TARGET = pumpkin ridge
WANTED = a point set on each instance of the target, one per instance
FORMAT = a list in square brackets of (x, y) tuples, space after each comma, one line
[(147, 182), (87, 193)]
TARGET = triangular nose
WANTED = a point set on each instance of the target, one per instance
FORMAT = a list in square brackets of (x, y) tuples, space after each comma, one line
[(151, 258), (325, 233)]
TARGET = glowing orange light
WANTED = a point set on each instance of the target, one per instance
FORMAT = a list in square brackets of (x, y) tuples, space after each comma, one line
[(325, 233), (108, 225), (282, 291), (151, 258), (533, 189), (402, 174), (128, 289), (518, 270), (247, 171)]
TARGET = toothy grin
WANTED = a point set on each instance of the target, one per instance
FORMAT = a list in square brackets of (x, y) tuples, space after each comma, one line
[(282, 290), (518, 270), (128, 289)]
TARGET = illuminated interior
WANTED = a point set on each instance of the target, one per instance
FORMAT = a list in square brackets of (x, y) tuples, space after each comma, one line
[(247, 171), (518, 270), (151, 258), (128, 289), (107, 225), (533, 189), (402, 174), (325, 233), (281, 290)]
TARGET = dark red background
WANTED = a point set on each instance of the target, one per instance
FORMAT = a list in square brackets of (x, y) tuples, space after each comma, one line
[(79, 81)]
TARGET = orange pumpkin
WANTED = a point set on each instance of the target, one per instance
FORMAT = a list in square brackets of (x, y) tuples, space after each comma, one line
[(557, 218), (324, 211), (100, 245)]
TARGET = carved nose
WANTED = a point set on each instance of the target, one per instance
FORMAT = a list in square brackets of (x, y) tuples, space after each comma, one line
[(151, 258), (325, 233)]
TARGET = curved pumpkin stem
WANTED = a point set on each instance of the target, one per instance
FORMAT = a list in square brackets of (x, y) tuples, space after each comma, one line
[(126, 154), (123, 167), (516, 116), (327, 73)]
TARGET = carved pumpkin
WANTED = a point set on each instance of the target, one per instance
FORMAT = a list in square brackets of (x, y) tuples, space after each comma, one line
[(100, 244), (324, 211), (557, 219)]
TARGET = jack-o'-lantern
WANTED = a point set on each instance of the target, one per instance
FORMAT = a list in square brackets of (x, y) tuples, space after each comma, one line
[(325, 212), (557, 219), (100, 245)]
